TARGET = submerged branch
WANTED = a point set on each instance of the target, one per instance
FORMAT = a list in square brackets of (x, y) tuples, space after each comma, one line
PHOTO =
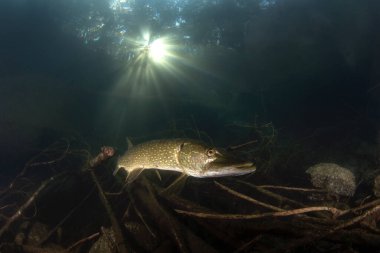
[(83, 240), (355, 220), (333, 210), (27, 204), (356, 209), (291, 188), (252, 200), (272, 194), (107, 152), (334, 231)]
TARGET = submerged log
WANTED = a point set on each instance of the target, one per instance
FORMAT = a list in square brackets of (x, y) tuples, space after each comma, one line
[(185, 240)]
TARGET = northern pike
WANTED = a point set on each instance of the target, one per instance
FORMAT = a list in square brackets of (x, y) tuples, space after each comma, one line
[(190, 157)]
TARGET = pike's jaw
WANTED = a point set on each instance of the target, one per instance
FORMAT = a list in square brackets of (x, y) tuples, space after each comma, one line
[(220, 170)]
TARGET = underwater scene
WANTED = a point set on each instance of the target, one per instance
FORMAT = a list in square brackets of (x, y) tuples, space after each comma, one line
[(189, 126)]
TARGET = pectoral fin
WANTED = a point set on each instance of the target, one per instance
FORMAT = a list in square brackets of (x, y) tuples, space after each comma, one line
[(158, 175), (177, 186), (116, 171), (132, 175)]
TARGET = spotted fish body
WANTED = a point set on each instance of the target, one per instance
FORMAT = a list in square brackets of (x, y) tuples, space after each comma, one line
[(190, 157)]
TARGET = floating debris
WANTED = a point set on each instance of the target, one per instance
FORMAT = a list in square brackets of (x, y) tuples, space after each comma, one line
[(333, 178)]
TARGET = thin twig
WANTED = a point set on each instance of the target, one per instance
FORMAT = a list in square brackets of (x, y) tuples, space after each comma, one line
[(63, 155), (133, 203), (370, 228), (32, 162), (291, 188), (242, 196), (241, 145), (356, 209), (6, 206), (88, 238), (333, 210), (65, 218), (272, 194), (30, 201), (312, 239), (249, 244), (356, 219)]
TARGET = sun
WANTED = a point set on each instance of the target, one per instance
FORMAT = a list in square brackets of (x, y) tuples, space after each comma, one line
[(158, 50), (154, 62)]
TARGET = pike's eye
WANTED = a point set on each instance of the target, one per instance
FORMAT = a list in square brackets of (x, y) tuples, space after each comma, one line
[(211, 152)]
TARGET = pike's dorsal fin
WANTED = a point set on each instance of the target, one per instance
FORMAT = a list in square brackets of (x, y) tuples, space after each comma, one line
[(132, 175), (130, 145)]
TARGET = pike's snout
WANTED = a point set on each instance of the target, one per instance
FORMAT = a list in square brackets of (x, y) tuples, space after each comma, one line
[(227, 165)]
